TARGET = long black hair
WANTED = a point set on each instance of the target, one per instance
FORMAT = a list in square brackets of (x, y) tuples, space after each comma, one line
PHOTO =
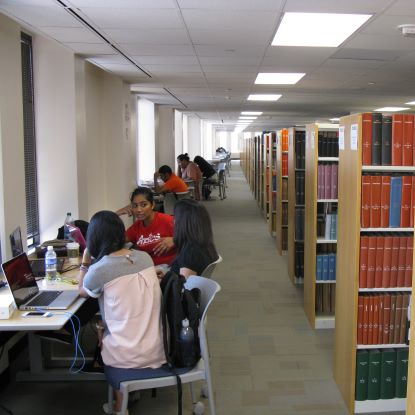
[(192, 225), (145, 191), (106, 234), (182, 157)]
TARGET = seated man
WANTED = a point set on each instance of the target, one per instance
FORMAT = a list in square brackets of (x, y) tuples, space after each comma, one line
[(172, 183)]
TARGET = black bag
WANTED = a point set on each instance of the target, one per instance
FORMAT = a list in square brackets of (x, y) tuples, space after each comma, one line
[(179, 303)]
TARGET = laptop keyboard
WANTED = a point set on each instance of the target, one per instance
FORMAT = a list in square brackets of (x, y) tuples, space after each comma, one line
[(44, 298)]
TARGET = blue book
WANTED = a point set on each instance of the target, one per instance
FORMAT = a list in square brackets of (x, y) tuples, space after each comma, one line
[(395, 202), (332, 267), (333, 227), (325, 267), (319, 271)]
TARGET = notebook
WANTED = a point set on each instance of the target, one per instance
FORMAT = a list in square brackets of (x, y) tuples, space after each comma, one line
[(38, 266), (25, 291)]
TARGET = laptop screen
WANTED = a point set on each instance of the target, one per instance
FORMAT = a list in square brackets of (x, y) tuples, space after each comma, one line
[(21, 280), (16, 242)]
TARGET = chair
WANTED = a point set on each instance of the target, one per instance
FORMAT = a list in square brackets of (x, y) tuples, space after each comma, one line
[(220, 184), (170, 200), (201, 371), (208, 271)]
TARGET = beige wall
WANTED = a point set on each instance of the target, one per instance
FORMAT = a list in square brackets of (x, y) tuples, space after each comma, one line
[(165, 136)]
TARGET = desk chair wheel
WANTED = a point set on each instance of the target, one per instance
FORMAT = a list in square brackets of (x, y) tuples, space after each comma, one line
[(198, 408), (205, 391)]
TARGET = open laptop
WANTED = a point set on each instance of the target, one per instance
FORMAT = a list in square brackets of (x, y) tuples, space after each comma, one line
[(25, 291), (37, 265)]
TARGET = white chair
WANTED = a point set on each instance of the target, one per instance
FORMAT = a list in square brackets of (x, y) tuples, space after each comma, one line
[(208, 271), (208, 289), (170, 200)]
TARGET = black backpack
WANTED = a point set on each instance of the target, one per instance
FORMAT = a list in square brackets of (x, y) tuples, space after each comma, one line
[(179, 303)]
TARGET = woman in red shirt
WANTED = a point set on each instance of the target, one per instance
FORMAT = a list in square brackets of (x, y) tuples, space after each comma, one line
[(152, 231)]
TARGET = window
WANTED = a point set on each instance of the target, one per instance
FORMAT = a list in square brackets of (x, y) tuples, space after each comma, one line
[(31, 190)]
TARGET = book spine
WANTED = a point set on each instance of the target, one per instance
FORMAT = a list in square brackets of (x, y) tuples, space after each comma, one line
[(411, 221), (387, 261), (385, 201), (386, 140), (371, 263), (394, 261), (362, 374), (380, 243), (319, 264), (374, 375), (403, 242), (401, 373), (367, 139), (325, 267), (408, 261), (395, 202), (364, 251), (335, 173), (365, 210), (365, 336), (398, 317), (392, 319), (370, 323), (386, 317), (376, 139), (397, 137), (388, 374), (327, 180), (332, 267), (406, 201), (360, 309), (375, 201), (407, 139)]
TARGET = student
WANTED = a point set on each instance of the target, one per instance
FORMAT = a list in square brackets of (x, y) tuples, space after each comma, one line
[(129, 295), (189, 170), (152, 231), (172, 183), (193, 238), (209, 175)]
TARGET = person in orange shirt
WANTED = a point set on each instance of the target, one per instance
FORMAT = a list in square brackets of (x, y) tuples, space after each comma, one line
[(172, 183)]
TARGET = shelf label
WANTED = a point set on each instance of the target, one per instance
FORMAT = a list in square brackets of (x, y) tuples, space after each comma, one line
[(341, 137), (353, 137), (313, 136)]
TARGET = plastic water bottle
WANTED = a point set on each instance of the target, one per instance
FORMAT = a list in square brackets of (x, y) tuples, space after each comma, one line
[(187, 343), (50, 264), (68, 221)]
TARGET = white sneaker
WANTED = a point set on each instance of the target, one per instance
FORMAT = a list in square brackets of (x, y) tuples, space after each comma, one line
[(106, 409)]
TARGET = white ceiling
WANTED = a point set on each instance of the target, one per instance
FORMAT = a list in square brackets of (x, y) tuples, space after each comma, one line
[(203, 56)]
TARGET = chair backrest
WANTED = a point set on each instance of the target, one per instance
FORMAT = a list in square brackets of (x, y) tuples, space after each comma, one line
[(208, 271), (221, 176), (170, 199)]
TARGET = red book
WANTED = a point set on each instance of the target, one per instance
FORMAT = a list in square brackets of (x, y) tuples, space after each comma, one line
[(367, 139), (394, 261), (403, 241), (364, 250), (370, 321), (360, 320), (398, 316), (397, 139), (386, 317), (385, 201), (411, 221), (380, 243), (406, 201), (371, 263), (365, 319), (375, 201), (407, 140), (392, 319), (381, 301), (387, 260), (408, 261), (365, 213), (376, 319)]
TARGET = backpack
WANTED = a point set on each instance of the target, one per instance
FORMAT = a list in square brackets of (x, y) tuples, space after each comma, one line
[(179, 303)]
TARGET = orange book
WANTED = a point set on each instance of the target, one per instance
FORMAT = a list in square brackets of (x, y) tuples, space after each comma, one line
[(397, 138), (360, 320), (408, 261), (387, 260), (392, 319), (375, 201), (398, 316), (365, 212), (370, 321), (364, 250), (407, 139), (411, 220), (380, 318), (380, 243), (386, 317), (406, 201), (365, 319), (376, 319), (385, 201), (394, 261), (403, 242), (371, 263), (367, 139)]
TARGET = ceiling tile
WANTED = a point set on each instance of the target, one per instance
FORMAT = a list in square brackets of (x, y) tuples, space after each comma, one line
[(274, 5), (230, 60), (157, 50), (90, 48), (229, 50), (330, 6), (365, 54), (104, 59), (174, 69), (69, 34), (149, 36), (120, 4), (239, 36), (385, 42), (387, 24), (166, 60)]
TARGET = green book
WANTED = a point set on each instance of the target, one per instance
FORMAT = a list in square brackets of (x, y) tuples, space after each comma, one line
[(373, 384), (388, 375), (401, 373), (362, 370)]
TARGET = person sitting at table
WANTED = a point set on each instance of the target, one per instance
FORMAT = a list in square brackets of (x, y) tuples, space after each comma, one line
[(209, 175), (172, 183), (152, 231), (189, 170), (129, 296)]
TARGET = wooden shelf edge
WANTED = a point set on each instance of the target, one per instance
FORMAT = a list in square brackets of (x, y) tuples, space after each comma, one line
[(380, 405), (389, 168), (327, 200), (324, 322), (374, 290), (328, 159), (386, 229), (326, 241), (381, 346), (325, 281)]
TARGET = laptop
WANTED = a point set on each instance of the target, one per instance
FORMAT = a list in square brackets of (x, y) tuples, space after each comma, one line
[(37, 265), (25, 291)]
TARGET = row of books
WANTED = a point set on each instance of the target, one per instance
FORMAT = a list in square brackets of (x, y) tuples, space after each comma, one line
[(381, 374), (284, 239), (327, 180), (300, 149), (284, 140), (326, 267), (382, 318), (299, 259), (285, 214), (284, 165), (299, 224), (388, 139), (388, 201), (300, 188), (327, 226), (328, 144), (284, 192), (325, 298), (386, 261)]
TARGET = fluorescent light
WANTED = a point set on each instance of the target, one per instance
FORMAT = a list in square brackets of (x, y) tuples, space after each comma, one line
[(247, 118), (278, 78), (391, 109), (327, 125), (317, 29), (251, 113), (264, 97), (410, 103), (334, 119)]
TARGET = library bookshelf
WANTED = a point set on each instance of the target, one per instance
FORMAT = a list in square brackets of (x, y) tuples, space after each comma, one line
[(296, 175), (318, 293), (282, 191), (272, 182), (349, 271)]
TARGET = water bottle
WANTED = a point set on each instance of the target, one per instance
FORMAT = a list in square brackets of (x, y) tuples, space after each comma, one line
[(186, 338), (50, 264), (68, 221)]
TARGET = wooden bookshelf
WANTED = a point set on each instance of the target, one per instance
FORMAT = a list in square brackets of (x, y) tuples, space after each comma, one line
[(266, 171), (272, 177), (316, 294), (282, 197), (348, 268)]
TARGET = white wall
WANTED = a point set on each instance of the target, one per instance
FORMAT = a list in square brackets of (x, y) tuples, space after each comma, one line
[(165, 136), (207, 140), (145, 139), (178, 133), (194, 136)]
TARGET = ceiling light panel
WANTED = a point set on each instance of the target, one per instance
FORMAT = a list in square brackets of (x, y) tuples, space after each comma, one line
[(391, 109), (253, 112), (264, 97), (317, 29), (247, 118), (410, 103), (278, 78)]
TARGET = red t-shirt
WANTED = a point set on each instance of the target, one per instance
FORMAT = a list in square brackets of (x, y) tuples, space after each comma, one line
[(147, 237)]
